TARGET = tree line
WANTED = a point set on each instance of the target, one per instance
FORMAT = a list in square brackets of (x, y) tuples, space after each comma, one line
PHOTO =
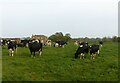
[(67, 37)]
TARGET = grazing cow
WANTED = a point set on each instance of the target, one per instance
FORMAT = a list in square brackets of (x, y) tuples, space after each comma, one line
[(4, 42), (76, 43), (1, 42), (82, 49), (60, 43), (24, 43), (49, 43), (93, 50), (12, 45), (101, 43), (35, 46)]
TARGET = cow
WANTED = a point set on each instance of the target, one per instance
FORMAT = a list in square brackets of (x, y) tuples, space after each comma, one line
[(101, 43), (93, 50), (24, 43), (35, 46), (82, 49), (1, 42), (49, 43), (76, 43), (60, 43), (4, 42), (12, 45)]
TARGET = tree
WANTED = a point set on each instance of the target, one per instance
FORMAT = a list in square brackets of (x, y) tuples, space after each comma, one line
[(59, 36), (118, 39), (104, 39), (114, 39), (52, 37), (68, 35)]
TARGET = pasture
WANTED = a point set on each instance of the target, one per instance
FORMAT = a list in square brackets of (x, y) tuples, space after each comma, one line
[(59, 64)]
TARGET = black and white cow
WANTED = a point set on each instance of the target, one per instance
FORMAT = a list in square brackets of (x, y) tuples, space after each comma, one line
[(48, 43), (4, 42), (23, 43), (12, 46), (60, 44), (82, 49), (101, 43), (76, 43), (93, 50), (35, 46)]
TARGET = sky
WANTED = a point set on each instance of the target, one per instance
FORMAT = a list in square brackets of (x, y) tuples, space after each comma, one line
[(80, 18)]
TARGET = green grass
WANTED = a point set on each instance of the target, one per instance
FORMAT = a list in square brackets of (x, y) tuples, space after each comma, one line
[(58, 64)]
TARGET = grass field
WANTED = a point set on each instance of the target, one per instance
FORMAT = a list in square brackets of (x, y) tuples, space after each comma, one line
[(58, 64)]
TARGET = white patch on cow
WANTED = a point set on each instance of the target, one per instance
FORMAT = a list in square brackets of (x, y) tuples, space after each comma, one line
[(33, 40), (56, 44), (81, 45), (37, 40), (8, 42), (27, 45)]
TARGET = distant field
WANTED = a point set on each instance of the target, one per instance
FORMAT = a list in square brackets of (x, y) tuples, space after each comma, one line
[(57, 64)]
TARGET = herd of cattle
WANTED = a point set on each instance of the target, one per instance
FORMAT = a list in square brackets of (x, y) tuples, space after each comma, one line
[(36, 46)]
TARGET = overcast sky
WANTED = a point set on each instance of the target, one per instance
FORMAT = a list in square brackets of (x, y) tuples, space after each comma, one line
[(80, 18)]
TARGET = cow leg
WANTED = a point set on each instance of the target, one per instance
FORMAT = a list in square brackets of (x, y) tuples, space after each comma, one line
[(91, 56), (34, 55), (94, 56), (9, 52), (40, 52), (31, 54), (98, 52), (76, 55), (63, 46), (81, 55), (12, 52)]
